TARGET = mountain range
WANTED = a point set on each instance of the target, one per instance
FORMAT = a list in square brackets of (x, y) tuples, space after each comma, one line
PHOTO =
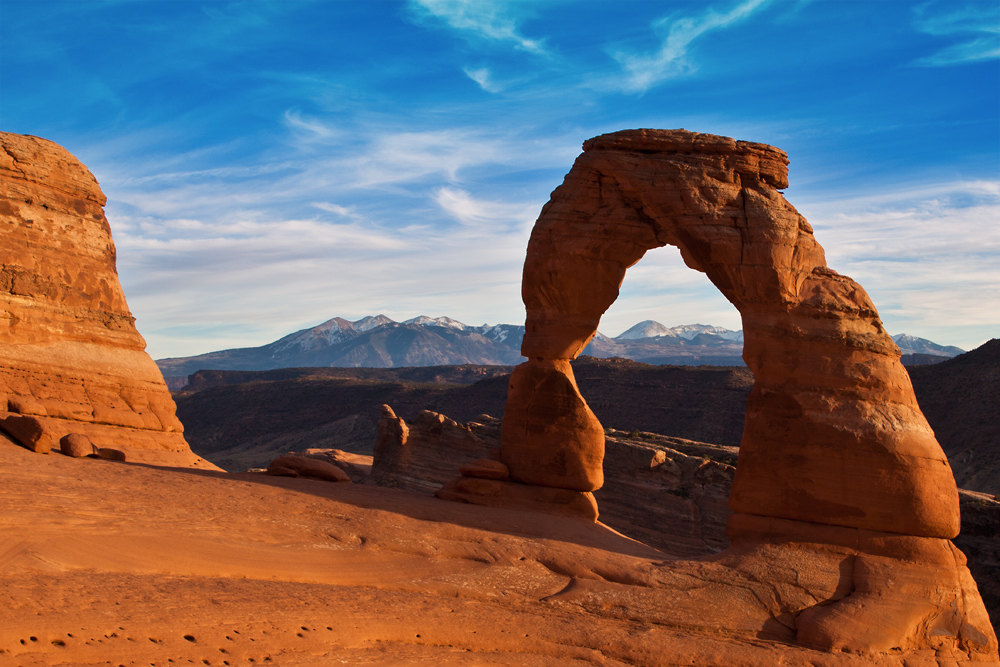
[(380, 342)]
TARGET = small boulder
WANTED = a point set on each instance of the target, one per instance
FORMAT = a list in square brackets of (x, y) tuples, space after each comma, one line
[(111, 454), (29, 431), (76, 445), (309, 467)]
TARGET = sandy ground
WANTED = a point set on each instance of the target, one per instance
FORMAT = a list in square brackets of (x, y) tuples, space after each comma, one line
[(108, 563)]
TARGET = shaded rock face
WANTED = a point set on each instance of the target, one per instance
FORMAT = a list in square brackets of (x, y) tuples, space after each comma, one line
[(424, 454), (836, 460), (71, 356)]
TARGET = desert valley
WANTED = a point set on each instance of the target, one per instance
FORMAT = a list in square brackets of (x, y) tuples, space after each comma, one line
[(553, 509)]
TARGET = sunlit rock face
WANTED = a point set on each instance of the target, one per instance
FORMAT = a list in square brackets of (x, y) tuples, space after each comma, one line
[(70, 354), (833, 433), (838, 469)]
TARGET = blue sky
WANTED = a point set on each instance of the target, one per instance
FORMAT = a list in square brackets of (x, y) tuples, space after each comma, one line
[(269, 165)]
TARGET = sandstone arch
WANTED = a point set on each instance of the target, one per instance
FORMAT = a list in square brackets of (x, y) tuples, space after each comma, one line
[(833, 432)]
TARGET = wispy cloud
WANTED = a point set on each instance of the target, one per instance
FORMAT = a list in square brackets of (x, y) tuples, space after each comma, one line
[(342, 211), (977, 26), (479, 19), (471, 211), (484, 78), (214, 258), (927, 256), (310, 126), (643, 71)]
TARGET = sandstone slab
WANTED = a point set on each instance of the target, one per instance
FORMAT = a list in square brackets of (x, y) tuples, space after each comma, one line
[(512, 495), (485, 469)]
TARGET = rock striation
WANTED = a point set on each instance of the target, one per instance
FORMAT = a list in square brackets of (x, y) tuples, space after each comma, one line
[(71, 359), (839, 478)]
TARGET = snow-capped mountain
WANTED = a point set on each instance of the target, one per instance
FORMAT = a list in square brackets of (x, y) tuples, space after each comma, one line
[(425, 321), (370, 322), (372, 341), (378, 341), (908, 344), (651, 329)]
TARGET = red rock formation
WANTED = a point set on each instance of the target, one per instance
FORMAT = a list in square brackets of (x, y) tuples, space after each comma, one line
[(421, 455), (840, 478), (833, 432), (70, 355)]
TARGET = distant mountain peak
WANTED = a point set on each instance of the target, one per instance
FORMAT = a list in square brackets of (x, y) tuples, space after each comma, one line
[(379, 341), (908, 344), (645, 329), (651, 329), (370, 322), (424, 321)]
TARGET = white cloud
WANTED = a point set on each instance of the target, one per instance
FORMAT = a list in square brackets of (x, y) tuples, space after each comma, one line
[(977, 25), (211, 259), (927, 256), (219, 286), (482, 19), (333, 208), (484, 78), (643, 71), (473, 212)]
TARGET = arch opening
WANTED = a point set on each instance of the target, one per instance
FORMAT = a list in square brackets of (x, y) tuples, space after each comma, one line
[(833, 433)]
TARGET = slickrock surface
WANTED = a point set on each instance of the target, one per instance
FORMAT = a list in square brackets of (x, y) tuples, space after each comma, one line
[(835, 451), (671, 494), (69, 351), (135, 565)]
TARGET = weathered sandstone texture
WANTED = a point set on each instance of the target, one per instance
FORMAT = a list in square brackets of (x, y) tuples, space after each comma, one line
[(839, 478), (833, 433), (422, 455), (70, 355)]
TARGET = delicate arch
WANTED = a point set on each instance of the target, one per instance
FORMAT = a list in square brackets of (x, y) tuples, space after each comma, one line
[(833, 432)]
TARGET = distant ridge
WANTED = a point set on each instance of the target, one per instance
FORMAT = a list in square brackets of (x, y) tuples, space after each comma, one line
[(377, 341)]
